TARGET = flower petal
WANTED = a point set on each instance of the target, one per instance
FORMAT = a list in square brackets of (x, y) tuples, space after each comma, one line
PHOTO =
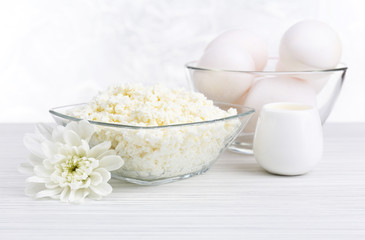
[(85, 145), (85, 130), (111, 162), (99, 149), (102, 189), (94, 196), (96, 178), (48, 193), (49, 149), (55, 159), (41, 171), (45, 130), (32, 189), (36, 179), (34, 159), (106, 153), (48, 164), (57, 133), (51, 185), (82, 149), (73, 126), (82, 128), (77, 195), (104, 174), (80, 195), (71, 197), (64, 196), (71, 138), (25, 168), (33, 145), (55, 197)]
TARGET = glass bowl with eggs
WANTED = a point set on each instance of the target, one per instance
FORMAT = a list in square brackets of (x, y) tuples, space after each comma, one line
[(235, 68), (163, 135)]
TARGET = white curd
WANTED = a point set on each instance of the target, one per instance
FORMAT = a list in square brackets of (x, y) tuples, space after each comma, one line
[(155, 153)]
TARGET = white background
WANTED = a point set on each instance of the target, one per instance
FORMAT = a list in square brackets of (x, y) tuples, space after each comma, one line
[(54, 53)]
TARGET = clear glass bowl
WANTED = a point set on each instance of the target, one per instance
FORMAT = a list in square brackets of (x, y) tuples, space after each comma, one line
[(163, 154), (326, 83)]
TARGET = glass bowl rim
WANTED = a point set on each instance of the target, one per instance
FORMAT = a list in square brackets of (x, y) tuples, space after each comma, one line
[(248, 111), (191, 65)]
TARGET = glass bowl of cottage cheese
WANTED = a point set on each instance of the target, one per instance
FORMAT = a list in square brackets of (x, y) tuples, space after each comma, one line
[(163, 135)]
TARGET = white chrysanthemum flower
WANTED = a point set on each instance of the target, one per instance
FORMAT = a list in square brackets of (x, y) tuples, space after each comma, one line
[(64, 166)]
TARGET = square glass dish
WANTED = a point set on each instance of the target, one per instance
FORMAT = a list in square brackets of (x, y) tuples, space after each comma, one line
[(162, 154)]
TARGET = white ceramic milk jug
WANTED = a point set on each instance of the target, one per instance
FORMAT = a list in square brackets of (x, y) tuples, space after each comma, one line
[(288, 138)]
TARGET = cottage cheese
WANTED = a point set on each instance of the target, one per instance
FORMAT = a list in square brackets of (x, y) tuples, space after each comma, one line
[(162, 152)]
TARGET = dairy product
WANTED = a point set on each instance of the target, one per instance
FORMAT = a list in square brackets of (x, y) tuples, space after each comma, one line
[(151, 150), (134, 104)]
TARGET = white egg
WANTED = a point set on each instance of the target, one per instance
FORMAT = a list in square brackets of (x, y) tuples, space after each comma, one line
[(310, 45), (245, 41), (317, 80), (277, 89), (224, 86)]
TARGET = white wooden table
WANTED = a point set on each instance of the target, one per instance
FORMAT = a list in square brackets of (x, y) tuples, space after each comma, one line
[(234, 200)]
